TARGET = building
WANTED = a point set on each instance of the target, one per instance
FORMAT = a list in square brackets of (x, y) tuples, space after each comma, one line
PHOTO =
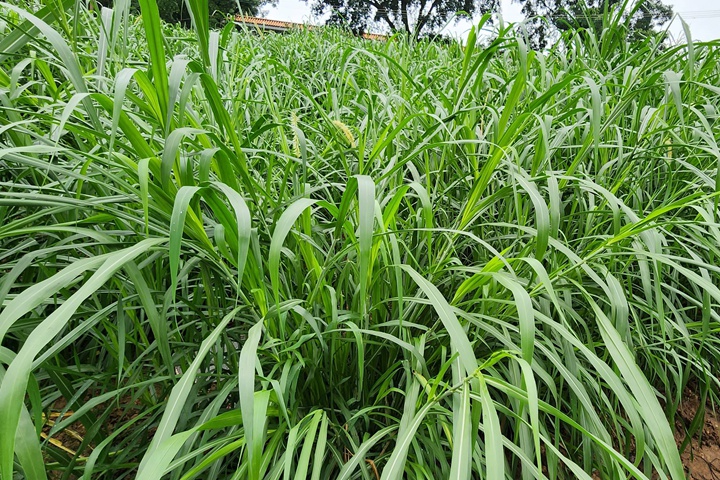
[(265, 24)]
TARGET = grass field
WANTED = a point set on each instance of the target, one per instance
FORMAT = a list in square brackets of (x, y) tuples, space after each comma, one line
[(229, 255)]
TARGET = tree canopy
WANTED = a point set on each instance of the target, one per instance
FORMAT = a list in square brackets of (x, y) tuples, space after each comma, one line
[(415, 17), (419, 17), (545, 16), (175, 11)]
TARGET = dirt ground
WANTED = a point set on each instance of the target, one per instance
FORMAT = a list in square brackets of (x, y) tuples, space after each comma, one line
[(702, 457), (70, 439)]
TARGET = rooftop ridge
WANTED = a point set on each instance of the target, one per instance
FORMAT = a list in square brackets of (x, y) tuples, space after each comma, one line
[(281, 25)]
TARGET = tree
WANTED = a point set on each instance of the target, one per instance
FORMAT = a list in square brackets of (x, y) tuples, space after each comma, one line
[(175, 11), (416, 17), (641, 17)]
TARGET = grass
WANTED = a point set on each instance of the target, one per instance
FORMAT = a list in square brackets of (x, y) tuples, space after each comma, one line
[(228, 255)]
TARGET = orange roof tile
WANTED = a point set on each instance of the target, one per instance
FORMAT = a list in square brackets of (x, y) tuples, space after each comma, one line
[(281, 25), (374, 36), (266, 22)]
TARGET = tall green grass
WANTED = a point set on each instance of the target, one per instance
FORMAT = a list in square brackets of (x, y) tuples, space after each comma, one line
[(231, 255)]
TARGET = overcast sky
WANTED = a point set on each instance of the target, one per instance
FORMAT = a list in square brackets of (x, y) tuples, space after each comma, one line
[(703, 16)]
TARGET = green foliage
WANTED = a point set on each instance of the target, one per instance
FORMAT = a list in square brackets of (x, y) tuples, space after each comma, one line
[(635, 19), (228, 255), (176, 11), (414, 17)]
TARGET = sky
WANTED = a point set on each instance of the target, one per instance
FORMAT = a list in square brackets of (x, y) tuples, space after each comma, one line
[(703, 17)]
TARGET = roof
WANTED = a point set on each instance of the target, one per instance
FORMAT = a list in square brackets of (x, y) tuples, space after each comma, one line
[(281, 26), (266, 23), (374, 36)]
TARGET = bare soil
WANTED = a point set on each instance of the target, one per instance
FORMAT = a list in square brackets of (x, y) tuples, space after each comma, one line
[(702, 455), (70, 439)]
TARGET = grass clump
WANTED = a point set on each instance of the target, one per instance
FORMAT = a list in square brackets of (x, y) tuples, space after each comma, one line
[(228, 255)]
